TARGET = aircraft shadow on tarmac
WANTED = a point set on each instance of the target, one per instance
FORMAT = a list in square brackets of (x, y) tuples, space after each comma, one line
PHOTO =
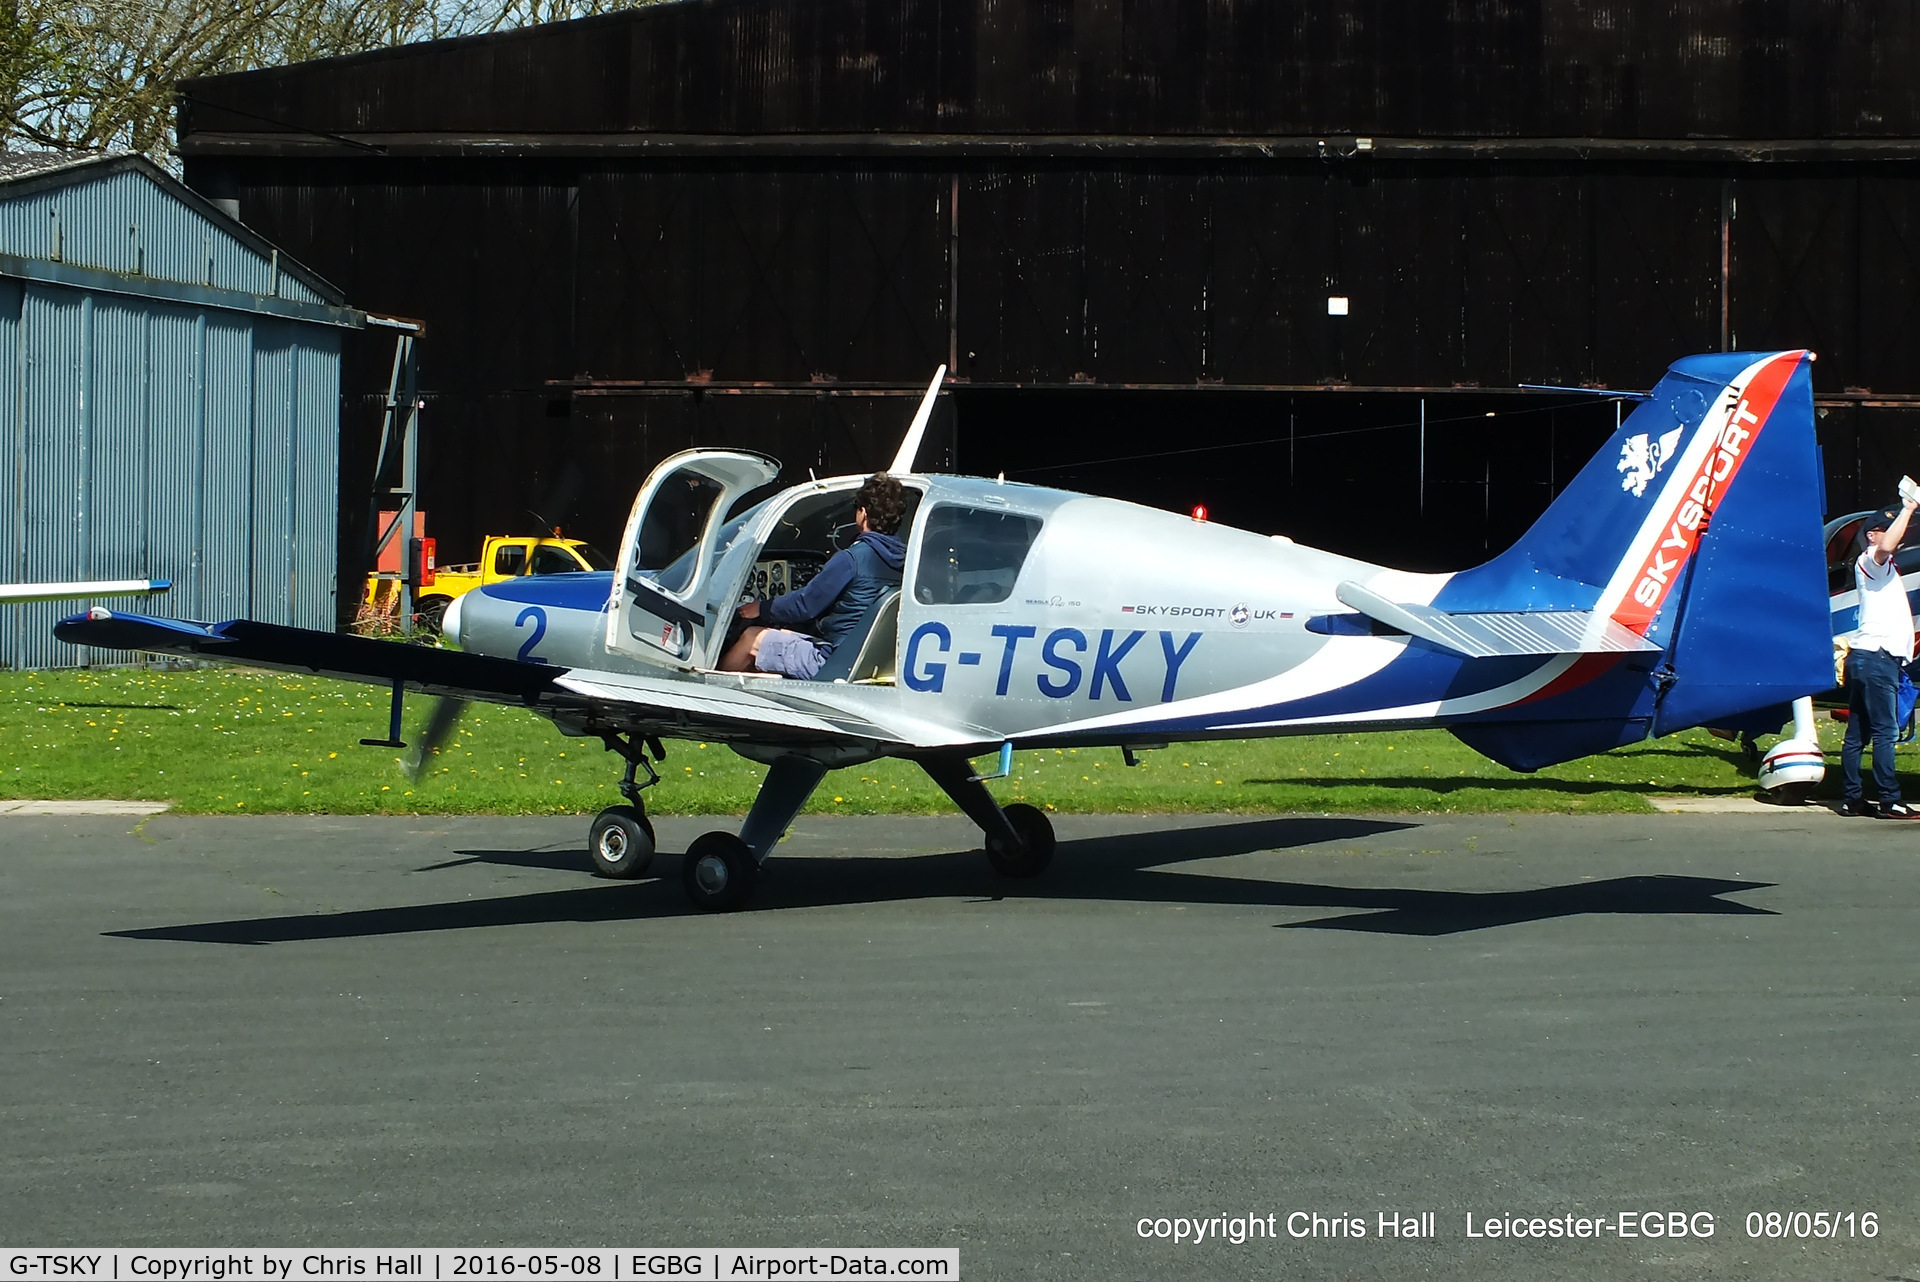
[(1122, 868)]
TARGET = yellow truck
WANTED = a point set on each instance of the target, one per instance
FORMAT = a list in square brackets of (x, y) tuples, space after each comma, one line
[(502, 556)]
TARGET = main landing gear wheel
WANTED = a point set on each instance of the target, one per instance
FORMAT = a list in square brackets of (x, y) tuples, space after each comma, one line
[(620, 844), (718, 872), (1036, 844)]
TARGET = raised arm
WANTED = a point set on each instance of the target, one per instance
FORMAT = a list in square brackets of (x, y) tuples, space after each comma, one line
[(1890, 541)]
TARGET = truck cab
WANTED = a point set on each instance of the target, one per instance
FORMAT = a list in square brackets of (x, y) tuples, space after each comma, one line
[(502, 557)]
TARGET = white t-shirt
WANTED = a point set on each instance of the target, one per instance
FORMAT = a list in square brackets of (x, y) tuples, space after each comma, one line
[(1886, 621)]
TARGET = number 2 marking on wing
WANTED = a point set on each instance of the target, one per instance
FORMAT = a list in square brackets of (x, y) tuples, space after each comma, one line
[(539, 618)]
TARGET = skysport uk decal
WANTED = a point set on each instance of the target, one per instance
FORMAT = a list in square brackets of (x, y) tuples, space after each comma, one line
[(1239, 615), (1664, 549)]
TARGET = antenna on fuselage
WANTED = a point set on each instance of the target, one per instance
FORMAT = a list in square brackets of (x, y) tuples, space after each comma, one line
[(903, 461)]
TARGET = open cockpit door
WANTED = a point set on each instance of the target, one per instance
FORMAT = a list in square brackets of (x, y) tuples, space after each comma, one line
[(661, 608)]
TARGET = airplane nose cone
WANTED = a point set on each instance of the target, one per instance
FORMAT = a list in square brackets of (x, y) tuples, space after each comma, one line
[(450, 623)]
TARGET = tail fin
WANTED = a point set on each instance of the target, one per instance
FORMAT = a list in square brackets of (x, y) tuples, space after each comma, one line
[(1696, 527)]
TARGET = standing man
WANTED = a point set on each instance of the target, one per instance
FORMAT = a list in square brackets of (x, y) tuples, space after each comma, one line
[(1882, 647)]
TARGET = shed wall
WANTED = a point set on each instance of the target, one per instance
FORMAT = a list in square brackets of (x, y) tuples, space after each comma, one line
[(146, 439)]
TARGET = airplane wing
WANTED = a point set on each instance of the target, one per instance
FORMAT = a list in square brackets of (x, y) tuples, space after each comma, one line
[(1485, 635), (21, 593), (721, 708), (270, 645)]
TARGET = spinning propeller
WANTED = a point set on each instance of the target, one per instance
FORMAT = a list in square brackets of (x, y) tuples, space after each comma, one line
[(440, 722)]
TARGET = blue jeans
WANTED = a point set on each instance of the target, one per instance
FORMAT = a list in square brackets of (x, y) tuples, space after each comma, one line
[(1873, 683)]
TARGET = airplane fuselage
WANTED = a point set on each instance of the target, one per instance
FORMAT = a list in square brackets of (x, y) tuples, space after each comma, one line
[(1115, 614)]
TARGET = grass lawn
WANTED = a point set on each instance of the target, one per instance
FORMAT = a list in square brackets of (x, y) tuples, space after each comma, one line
[(224, 741)]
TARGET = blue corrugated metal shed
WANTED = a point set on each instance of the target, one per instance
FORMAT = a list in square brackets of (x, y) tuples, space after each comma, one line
[(169, 402)]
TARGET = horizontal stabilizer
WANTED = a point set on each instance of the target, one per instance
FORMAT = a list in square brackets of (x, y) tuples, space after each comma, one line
[(1490, 634)]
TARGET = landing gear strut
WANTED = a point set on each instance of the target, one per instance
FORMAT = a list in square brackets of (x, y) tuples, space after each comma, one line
[(1035, 849), (620, 843), (1019, 838), (720, 870)]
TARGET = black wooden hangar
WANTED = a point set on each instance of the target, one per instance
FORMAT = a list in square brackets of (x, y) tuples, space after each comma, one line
[(1291, 260)]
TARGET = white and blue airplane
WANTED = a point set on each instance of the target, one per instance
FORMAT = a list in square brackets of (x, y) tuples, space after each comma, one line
[(1677, 581)]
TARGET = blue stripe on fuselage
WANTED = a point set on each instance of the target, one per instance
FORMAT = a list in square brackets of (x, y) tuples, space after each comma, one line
[(1423, 674), (588, 591)]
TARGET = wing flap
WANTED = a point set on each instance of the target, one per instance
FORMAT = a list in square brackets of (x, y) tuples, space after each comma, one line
[(1490, 634), (711, 704), (771, 708)]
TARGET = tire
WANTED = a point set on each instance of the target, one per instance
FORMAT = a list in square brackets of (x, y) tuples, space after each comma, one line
[(1036, 843), (620, 843), (431, 611), (1788, 794), (718, 872)]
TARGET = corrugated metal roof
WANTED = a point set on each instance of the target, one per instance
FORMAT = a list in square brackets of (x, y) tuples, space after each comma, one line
[(23, 164), (849, 69), (124, 215)]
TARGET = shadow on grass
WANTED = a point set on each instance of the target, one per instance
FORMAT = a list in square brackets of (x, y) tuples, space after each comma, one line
[(1129, 868), (1445, 784), (1730, 754)]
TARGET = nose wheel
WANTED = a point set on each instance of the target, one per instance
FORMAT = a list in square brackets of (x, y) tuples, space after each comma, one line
[(620, 843)]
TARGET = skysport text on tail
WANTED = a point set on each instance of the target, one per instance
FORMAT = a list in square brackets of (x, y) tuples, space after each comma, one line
[(1677, 581)]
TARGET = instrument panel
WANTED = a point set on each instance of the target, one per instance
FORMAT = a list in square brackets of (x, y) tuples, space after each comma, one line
[(779, 576)]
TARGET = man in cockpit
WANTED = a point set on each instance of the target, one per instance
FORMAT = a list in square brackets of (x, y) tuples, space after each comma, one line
[(834, 600)]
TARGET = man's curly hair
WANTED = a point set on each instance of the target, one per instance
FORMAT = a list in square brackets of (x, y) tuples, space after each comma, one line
[(885, 501)]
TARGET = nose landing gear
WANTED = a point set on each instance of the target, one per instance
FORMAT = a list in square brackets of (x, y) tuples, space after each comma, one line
[(620, 843)]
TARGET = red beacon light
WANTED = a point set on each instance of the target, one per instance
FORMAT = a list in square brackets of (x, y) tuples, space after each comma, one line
[(1199, 511)]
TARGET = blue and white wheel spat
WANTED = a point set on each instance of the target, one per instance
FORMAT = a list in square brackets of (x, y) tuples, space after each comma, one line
[(1794, 766)]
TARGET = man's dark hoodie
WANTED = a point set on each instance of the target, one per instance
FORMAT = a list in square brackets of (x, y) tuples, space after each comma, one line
[(835, 599)]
